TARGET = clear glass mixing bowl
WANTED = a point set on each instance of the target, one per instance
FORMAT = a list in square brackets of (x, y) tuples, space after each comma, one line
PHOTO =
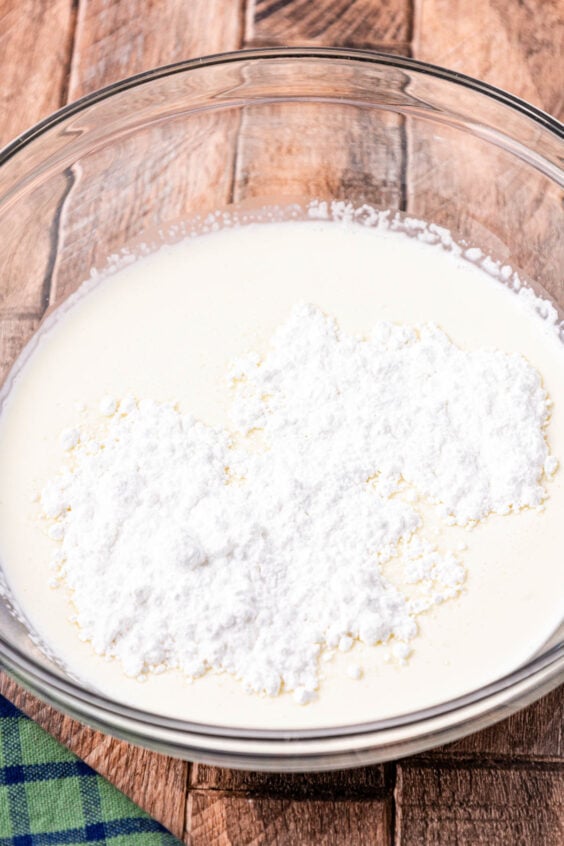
[(248, 129)]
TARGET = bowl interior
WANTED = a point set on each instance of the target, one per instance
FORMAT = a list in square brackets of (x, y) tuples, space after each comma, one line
[(130, 165)]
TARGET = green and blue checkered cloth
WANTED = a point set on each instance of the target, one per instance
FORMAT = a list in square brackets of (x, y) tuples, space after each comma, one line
[(48, 796)]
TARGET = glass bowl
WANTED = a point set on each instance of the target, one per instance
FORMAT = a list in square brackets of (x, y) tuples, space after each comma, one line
[(248, 129)]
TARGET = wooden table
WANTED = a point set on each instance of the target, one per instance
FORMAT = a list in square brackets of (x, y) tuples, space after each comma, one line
[(504, 785)]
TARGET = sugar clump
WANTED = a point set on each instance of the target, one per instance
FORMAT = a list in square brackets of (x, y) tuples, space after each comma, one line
[(186, 548)]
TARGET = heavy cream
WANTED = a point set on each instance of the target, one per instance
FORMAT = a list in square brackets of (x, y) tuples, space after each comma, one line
[(146, 330)]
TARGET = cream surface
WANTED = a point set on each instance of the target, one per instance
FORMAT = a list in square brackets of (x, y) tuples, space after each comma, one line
[(166, 327)]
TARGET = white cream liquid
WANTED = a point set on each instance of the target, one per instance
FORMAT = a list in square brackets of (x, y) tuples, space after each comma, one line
[(166, 327)]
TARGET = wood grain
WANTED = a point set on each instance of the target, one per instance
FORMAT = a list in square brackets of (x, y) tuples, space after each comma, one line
[(217, 819), (361, 783), (144, 181), (469, 805), (535, 733), (29, 234), (484, 195), (184, 165), (320, 153), (115, 39), (35, 48), (36, 39), (517, 46), (15, 331), (338, 23)]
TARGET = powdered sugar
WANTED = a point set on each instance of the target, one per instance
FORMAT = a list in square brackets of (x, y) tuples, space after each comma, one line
[(466, 429), (186, 546)]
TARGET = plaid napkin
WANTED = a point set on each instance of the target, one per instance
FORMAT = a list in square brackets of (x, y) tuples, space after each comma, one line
[(48, 796)]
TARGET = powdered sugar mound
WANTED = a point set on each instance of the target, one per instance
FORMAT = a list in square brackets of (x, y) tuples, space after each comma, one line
[(465, 428), (171, 563), (185, 548)]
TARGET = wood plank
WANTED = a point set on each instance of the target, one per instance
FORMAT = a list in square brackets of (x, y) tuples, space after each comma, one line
[(534, 732), (301, 152), (453, 172), (29, 234), (335, 23), (163, 173), (449, 801), (35, 66), (151, 179), (516, 46), (116, 39), (15, 331), (155, 782), (472, 805), (218, 819), (487, 198), (362, 783), (35, 46)]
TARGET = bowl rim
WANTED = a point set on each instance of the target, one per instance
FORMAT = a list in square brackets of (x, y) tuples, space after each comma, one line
[(546, 667), (544, 119)]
